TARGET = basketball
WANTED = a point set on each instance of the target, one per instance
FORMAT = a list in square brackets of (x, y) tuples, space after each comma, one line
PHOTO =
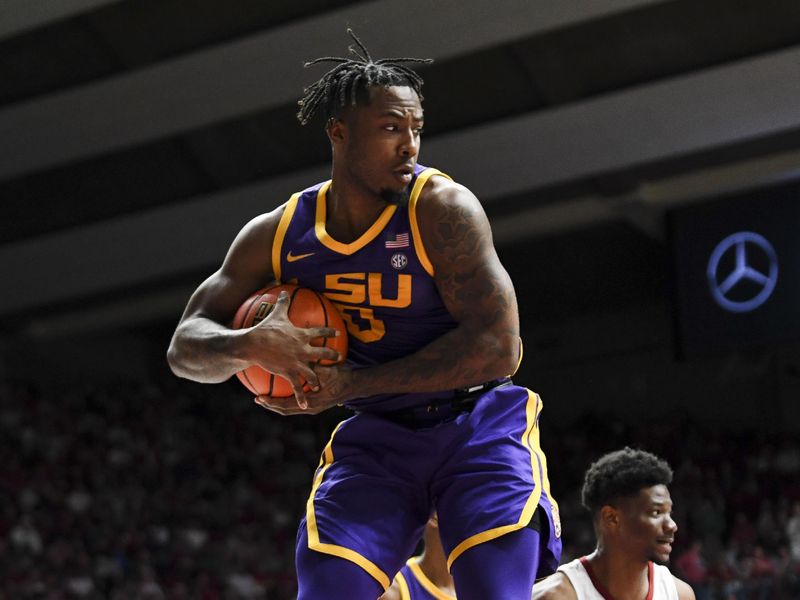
[(307, 308)]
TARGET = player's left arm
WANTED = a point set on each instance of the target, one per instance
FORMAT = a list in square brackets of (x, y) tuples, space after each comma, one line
[(685, 592), (474, 286), (477, 292)]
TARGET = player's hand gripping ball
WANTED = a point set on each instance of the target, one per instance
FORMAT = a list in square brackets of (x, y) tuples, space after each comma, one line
[(307, 308)]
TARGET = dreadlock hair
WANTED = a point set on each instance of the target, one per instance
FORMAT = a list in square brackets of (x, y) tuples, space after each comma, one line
[(621, 474), (350, 79)]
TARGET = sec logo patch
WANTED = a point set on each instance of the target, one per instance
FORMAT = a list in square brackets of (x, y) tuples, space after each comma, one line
[(399, 261)]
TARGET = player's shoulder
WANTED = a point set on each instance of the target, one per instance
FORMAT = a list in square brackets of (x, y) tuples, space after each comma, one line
[(554, 587), (255, 238), (265, 222), (445, 203), (439, 190), (685, 591)]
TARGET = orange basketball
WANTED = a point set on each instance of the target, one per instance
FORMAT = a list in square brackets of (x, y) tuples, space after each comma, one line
[(307, 308)]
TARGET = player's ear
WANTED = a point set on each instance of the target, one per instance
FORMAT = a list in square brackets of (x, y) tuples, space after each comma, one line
[(609, 517), (335, 128)]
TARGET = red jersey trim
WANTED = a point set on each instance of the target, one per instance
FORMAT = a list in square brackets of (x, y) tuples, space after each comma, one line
[(601, 589)]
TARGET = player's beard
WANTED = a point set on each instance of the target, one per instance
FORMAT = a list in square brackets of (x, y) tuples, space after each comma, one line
[(398, 198)]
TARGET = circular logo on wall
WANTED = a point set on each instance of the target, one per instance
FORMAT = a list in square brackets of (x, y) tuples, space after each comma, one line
[(399, 260), (742, 272)]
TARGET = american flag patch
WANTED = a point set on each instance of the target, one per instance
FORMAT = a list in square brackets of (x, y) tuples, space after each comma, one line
[(398, 241)]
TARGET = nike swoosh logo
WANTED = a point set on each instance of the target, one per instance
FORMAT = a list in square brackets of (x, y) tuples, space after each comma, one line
[(293, 257)]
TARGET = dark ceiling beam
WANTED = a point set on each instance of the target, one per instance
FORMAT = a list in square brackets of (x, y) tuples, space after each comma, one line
[(241, 77), (689, 113), (19, 16), (651, 197), (661, 121)]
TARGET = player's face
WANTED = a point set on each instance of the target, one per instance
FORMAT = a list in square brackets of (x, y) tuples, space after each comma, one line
[(382, 141), (646, 526)]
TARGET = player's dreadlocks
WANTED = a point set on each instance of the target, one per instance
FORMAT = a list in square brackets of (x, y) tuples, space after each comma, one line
[(351, 77)]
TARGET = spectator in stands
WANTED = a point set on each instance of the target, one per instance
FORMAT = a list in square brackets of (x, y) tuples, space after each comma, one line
[(761, 575), (691, 567), (793, 531)]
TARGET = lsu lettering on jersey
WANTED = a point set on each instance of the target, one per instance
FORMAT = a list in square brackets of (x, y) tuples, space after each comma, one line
[(587, 587), (381, 283), (415, 585)]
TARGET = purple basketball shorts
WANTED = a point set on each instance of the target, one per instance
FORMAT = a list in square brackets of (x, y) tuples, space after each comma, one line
[(483, 471)]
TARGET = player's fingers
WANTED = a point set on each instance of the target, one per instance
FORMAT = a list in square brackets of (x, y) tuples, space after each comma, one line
[(282, 406), (309, 376), (298, 391), (320, 353), (282, 305), (315, 332)]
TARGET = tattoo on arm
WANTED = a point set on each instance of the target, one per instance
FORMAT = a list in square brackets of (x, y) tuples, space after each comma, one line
[(477, 291)]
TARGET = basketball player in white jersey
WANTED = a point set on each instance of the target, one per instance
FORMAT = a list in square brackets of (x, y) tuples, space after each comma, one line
[(626, 492)]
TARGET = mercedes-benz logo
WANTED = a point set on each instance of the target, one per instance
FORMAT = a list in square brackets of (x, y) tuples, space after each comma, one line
[(753, 275)]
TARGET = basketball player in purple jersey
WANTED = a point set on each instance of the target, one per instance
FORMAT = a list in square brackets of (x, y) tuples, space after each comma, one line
[(424, 577), (407, 256), (626, 492)]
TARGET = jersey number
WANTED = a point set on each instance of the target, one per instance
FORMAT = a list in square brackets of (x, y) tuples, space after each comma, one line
[(349, 290)]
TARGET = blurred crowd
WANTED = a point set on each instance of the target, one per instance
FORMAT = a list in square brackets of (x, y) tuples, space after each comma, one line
[(137, 491), (178, 490)]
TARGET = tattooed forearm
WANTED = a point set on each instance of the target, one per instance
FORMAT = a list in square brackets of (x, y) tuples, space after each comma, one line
[(477, 292)]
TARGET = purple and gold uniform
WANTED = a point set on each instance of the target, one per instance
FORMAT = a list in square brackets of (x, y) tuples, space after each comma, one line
[(381, 282), (482, 469), (415, 585)]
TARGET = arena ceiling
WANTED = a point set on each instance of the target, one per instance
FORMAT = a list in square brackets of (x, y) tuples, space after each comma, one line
[(136, 137)]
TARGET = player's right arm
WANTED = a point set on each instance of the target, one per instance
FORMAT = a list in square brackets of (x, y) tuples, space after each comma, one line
[(555, 587), (205, 349)]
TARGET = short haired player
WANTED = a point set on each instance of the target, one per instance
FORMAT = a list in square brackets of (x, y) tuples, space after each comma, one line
[(407, 256), (626, 492)]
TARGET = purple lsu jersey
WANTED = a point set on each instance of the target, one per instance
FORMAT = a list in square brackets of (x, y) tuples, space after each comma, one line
[(415, 585), (382, 283)]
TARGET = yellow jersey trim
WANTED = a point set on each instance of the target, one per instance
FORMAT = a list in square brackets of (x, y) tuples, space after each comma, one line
[(426, 583), (366, 237), (313, 532), (543, 468), (529, 438), (405, 593), (280, 234), (419, 247)]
